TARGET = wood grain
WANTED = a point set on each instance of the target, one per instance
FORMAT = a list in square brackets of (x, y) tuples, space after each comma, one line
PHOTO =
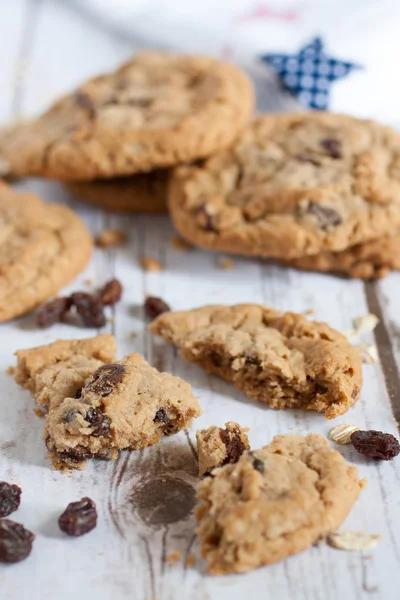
[(145, 498)]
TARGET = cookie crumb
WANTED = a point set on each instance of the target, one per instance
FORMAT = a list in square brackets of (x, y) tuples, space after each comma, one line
[(88, 281), (134, 334), (309, 311), (180, 244), (150, 264), (365, 324), (341, 434), (10, 371), (190, 560), (173, 557), (353, 540), (226, 263), (39, 412), (110, 237), (368, 353)]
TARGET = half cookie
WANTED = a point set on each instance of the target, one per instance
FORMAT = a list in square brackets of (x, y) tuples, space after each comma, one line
[(293, 185), (157, 110), (274, 502), (144, 192), (42, 248), (96, 409), (278, 358), (371, 260)]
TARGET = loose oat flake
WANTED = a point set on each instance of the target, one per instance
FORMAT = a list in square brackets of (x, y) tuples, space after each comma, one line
[(368, 353), (341, 434), (353, 540), (365, 324)]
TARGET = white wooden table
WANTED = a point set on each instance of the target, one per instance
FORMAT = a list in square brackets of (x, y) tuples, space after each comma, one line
[(145, 498)]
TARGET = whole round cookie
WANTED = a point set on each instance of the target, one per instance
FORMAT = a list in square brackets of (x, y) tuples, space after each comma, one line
[(42, 248), (293, 185), (144, 192), (157, 110), (372, 260)]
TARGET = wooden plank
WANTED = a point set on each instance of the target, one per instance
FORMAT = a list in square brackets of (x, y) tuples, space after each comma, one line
[(145, 498)]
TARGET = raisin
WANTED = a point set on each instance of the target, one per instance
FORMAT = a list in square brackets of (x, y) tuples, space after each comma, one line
[(233, 444), (83, 101), (10, 498), (216, 359), (52, 312), (110, 293), (375, 444), (161, 416), (99, 421), (332, 147), (89, 308), (326, 217), (252, 361), (79, 517), (106, 378), (76, 455), (15, 541), (153, 307), (204, 219), (258, 464), (78, 393), (307, 157)]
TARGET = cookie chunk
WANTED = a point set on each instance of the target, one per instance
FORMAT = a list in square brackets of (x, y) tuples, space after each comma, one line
[(278, 358), (372, 260), (124, 406), (217, 446), (42, 248), (157, 110), (144, 192), (293, 185), (59, 370), (274, 502)]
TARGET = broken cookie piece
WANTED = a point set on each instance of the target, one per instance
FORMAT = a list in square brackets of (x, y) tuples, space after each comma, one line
[(125, 406), (59, 370), (274, 502), (97, 406), (282, 359), (217, 446)]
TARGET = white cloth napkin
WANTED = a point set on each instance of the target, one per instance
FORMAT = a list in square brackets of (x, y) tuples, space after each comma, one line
[(363, 31)]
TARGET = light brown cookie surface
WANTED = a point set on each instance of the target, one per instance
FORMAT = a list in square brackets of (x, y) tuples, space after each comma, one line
[(144, 192), (292, 185), (218, 446), (274, 502), (59, 370), (278, 358), (371, 260), (42, 248), (155, 111)]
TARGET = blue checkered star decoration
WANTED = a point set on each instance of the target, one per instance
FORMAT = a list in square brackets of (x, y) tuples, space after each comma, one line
[(310, 73)]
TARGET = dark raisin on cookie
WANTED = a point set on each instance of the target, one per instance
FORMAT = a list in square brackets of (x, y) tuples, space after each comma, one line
[(89, 308), (252, 361), (106, 378), (83, 101), (110, 293), (332, 147), (161, 416), (375, 444), (75, 455), (10, 498), (204, 219), (258, 464), (233, 444), (326, 217), (153, 307), (79, 517), (99, 421), (15, 541), (52, 312), (69, 415)]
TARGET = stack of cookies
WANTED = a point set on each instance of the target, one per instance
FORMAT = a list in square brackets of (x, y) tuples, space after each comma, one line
[(316, 191)]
